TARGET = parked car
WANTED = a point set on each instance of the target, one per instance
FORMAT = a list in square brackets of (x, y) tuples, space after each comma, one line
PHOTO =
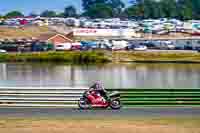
[(179, 48), (3, 51), (166, 45), (91, 44), (170, 47), (198, 49), (76, 46), (188, 47), (63, 46), (119, 45), (150, 45), (130, 47), (140, 48)]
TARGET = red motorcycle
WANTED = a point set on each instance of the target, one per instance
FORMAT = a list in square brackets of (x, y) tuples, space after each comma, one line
[(92, 99)]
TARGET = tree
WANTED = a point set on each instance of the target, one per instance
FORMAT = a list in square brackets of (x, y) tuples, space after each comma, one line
[(186, 9), (149, 8), (195, 8), (70, 11), (99, 11), (116, 6), (13, 14), (183, 9), (136, 10), (32, 14), (169, 8), (62, 15), (135, 2), (87, 4), (48, 13)]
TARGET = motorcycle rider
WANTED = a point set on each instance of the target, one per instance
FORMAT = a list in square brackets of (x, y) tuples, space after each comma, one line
[(97, 93)]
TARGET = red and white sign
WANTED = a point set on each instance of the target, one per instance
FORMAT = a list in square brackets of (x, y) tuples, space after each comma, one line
[(104, 32)]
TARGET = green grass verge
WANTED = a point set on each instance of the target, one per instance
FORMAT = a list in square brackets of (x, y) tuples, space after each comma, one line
[(151, 57), (69, 56), (99, 56)]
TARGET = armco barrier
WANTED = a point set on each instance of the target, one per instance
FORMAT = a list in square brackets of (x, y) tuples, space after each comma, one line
[(160, 97), (68, 97), (40, 96)]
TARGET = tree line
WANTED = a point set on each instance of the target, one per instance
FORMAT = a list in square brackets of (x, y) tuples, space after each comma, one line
[(180, 9), (69, 11), (141, 9)]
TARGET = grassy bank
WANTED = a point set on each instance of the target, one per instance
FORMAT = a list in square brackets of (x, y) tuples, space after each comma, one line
[(103, 57), (23, 32), (157, 57), (68, 57), (99, 125)]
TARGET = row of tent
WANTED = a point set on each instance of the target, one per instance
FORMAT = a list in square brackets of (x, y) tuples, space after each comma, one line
[(157, 26)]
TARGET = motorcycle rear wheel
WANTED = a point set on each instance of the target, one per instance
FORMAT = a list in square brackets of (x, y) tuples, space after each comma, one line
[(83, 104)]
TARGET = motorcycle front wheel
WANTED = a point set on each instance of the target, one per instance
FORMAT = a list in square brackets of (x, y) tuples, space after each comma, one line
[(115, 104)]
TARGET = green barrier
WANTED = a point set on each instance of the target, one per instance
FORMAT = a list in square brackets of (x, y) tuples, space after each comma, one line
[(159, 97)]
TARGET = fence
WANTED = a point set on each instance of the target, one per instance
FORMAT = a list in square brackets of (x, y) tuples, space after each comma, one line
[(160, 97), (68, 97)]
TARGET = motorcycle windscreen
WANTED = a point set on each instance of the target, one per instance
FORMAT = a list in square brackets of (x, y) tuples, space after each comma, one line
[(114, 94)]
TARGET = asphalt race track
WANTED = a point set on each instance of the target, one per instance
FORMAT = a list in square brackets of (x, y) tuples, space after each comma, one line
[(129, 112)]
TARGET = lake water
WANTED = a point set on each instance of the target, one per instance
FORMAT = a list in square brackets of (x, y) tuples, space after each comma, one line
[(111, 75)]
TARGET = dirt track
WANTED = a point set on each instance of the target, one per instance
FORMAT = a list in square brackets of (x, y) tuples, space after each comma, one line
[(65, 120), (38, 125)]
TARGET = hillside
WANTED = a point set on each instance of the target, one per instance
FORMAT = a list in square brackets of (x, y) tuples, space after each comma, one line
[(23, 32)]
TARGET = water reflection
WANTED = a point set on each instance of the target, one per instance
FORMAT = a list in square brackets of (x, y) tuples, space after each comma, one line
[(113, 76)]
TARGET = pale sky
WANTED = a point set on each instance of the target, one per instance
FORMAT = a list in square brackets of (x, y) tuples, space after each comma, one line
[(27, 6)]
